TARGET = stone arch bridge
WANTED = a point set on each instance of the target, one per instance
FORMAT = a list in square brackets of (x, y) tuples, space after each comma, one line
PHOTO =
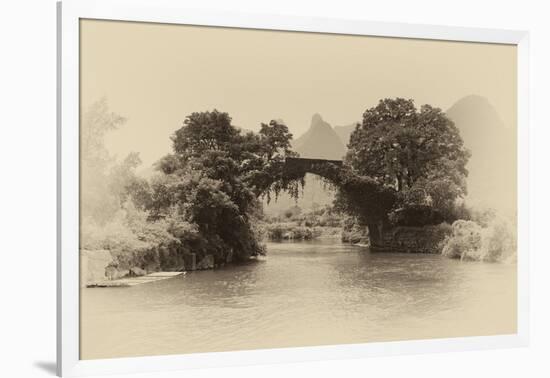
[(342, 176), (372, 201)]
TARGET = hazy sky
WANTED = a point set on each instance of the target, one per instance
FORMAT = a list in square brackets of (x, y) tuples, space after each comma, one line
[(156, 74)]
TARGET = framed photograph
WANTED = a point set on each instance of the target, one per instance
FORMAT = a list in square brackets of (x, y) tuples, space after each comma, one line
[(254, 188)]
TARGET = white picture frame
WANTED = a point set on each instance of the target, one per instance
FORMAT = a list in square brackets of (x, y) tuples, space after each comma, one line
[(170, 11)]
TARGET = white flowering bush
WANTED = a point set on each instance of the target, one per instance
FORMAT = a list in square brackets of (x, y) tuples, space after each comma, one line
[(492, 240)]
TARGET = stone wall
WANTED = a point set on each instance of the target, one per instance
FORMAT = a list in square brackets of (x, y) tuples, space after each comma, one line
[(405, 239), (100, 265)]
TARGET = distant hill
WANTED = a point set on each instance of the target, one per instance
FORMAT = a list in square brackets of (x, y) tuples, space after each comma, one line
[(492, 167), (320, 141), (344, 132)]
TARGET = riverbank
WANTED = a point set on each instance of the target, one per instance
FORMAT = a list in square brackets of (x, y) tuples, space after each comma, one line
[(491, 241), (293, 231), (134, 281), (99, 267)]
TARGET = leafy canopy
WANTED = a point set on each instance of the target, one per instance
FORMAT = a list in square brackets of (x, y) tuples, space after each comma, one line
[(417, 152), (216, 174)]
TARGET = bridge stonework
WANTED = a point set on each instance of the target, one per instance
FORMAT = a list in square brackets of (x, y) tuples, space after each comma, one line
[(410, 239), (375, 200), (328, 169)]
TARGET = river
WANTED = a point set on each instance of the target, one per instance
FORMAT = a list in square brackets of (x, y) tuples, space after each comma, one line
[(301, 294)]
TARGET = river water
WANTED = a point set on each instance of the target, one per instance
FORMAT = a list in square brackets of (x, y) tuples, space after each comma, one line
[(301, 294)]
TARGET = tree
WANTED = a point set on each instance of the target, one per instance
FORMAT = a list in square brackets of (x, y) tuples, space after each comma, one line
[(203, 131), (265, 173), (416, 159), (215, 176), (419, 153), (113, 198), (98, 201), (275, 140), (96, 122)]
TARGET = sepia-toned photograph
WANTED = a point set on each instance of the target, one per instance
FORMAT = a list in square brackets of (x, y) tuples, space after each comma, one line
[(246, 189)]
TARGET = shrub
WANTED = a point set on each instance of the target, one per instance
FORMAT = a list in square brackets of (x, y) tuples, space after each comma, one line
[(275, 231), (135, 241), (291, 231), (491, 241), (353, 231)]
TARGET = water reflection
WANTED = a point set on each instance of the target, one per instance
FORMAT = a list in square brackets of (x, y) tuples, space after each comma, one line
[(301, 294)]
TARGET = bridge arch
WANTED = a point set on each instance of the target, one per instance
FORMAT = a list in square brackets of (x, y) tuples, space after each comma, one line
[(372, 198), (371, 201), (328, 169)]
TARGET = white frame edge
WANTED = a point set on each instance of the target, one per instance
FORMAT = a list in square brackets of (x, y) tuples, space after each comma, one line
[(169, 11)]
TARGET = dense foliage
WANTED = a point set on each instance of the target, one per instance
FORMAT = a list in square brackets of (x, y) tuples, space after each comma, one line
[(416, 153), (203, 200), (403, 164), (297, 224), (476, 240), (114, 198), (214, 177)]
